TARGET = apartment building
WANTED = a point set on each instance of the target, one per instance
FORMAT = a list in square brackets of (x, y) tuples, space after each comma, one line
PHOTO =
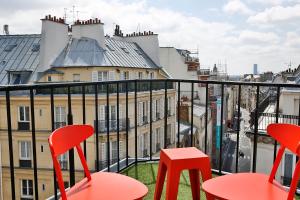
[(80, 53)]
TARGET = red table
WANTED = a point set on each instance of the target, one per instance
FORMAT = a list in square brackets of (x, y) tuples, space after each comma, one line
[(173, 161)]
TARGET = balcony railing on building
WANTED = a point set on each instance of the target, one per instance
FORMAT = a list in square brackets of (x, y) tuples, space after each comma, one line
[(222, 145)]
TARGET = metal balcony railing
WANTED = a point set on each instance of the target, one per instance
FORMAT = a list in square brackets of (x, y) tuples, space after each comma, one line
[(128, 91)]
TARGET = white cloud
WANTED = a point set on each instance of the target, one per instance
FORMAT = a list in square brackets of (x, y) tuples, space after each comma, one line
[(237, 7), (276, 14), (215, 40), (273, 2), (292, 40), (253, 37)]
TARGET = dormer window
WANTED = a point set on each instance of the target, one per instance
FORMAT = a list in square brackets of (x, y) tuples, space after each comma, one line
[(109, 47), (124, 49), (35, 47), (10, 47)]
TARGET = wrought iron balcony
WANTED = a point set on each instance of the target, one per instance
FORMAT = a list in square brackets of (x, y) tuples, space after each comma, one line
[(229, 148)]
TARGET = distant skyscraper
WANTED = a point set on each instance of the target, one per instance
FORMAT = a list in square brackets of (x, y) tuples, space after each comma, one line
[(255, 72)]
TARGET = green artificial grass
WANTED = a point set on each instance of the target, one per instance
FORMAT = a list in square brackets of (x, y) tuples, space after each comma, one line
[(147, 172)]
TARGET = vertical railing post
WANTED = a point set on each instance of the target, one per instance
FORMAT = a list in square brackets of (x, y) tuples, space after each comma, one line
[(118, 128), (151, 118), (71, 151), (178, 115), (276, 120), (135, 121), (10, 146), (36, 192), (97, 128), (127, 122), (84, 118), (107, 127), (166, 115), (192, 115), (221, 129), (53, 128), (255, 131), (238, 131), (206, 117)]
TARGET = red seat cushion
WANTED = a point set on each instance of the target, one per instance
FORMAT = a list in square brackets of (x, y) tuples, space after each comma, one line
[(245, 186), (108, 186)]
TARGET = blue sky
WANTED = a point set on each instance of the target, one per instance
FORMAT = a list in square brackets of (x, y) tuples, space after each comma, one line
[(240, 32)]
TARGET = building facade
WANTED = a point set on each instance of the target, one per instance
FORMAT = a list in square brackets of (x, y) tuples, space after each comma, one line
[(80, 53)]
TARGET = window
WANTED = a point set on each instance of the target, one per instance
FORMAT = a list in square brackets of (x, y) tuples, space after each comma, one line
[(49, 79), (102, 76), (27, 188), (10, 47), (113, 152), (60, 116), (143, 112), (76, 77), (16, 79), (124, 75), (109, 47), (25, 150), (23, 113), (124, 49), (151, 75), (35, 47), (102, 113), (140, 75), (157, 108), (63, 160)]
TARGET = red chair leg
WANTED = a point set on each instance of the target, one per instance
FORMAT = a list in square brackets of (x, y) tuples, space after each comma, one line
[(195, 183), (172, 184), (161, 174)]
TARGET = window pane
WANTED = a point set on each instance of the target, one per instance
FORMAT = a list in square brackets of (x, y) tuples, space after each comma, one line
[(105, 76), (26, 113), (21, 112)]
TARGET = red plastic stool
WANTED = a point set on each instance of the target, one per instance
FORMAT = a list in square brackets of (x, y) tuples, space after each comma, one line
[(176, 160)]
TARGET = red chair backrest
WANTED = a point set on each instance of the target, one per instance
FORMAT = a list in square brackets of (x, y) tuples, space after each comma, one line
[(288, 136), (64, 139)]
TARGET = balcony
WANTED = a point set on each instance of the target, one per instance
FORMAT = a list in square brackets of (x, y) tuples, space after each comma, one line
[(233, 147), (112, 124)]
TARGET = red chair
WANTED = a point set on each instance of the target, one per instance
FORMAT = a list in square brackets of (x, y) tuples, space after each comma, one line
[(172, 162), (256, 185), (100, 185)]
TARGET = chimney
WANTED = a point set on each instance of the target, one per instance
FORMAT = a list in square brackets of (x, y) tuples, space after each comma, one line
[(54, 39), (91, 29), (5, 29)]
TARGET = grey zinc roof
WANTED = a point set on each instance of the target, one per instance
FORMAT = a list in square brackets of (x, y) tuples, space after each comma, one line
[(87, 52), (18, 53)]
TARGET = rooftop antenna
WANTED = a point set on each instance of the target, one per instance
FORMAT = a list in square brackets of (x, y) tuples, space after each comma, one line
[(65, 14)]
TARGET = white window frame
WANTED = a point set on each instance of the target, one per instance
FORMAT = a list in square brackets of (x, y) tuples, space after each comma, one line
[(27, 145), (103, 148), (76, 77), (27, 188), (61, 118), (24, 113), (140, 75), (63, 158), (151, 75), (101, 76)]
